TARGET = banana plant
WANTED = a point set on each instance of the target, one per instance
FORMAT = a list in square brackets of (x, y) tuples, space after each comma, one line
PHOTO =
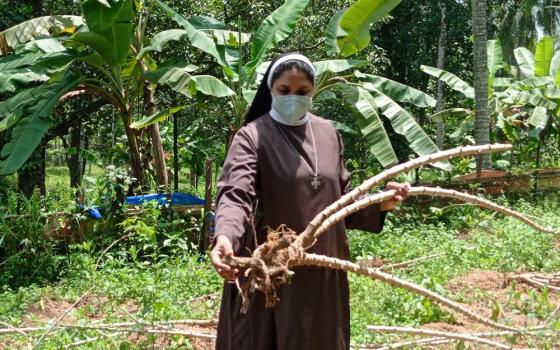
[(241, 76), (346, 34), (108, 41), (528, 97)]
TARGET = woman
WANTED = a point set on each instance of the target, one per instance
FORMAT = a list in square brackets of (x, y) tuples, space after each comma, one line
[(284, 166)]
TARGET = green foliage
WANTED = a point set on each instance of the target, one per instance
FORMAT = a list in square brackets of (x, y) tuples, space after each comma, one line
[(397, 91), (158, 117), (47, 25), (451, 80), (196, 37), (28, 132), (543, 56), (27, 253), (336, 66), (371, 125), (356, 22), (404, 124), (275, 28), (333, 32)]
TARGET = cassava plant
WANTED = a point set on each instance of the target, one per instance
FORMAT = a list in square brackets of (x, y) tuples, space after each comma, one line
[(270, 263)]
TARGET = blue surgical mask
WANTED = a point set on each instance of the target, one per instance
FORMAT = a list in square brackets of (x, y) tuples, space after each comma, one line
[(291, 108)]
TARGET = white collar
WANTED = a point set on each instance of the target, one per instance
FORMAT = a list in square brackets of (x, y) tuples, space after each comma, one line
[(277, 117)]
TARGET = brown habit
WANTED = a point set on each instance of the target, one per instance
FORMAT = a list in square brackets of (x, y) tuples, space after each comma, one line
[(263, 174)]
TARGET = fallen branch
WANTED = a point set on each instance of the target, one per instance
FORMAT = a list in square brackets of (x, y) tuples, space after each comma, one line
[(26, 330), (44, 335), (552, 282), (170, 331), (442, 340), (410, 262), (429, 332), (12, 328)]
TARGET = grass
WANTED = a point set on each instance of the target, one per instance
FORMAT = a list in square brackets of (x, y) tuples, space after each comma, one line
[(125, 291)]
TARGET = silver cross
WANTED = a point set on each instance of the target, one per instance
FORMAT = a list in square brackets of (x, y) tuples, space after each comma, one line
[(316, 183)]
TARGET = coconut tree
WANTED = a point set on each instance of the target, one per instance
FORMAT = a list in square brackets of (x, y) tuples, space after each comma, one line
[(442, 43), (523, 100), (522, 20), (482, 124)]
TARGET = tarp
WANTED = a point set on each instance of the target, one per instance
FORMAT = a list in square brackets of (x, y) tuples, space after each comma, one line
[(176, 199)]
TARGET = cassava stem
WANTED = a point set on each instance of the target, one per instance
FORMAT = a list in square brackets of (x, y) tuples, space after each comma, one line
[(426, 191), (457, 336), (339, 264), (307, 237)]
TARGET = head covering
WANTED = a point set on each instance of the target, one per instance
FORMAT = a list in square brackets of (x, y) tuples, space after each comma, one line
[(293, 56)]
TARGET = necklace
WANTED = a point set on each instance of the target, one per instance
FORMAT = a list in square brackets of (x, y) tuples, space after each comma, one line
[(315, 180)]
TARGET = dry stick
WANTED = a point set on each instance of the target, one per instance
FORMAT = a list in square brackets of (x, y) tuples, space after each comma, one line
[(339, 264), (440, 340), (410, 262), (457, 336), (13, 328), (426, 191), (146, 330), (61, 317), (425, 341), (25, 330), (91, 340), (307, 237), (537, 283)]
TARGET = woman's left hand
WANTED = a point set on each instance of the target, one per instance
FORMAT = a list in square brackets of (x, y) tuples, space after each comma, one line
[(401, 193)]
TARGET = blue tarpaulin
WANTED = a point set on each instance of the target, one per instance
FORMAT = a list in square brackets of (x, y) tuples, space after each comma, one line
[(96, 212), (176, 199)]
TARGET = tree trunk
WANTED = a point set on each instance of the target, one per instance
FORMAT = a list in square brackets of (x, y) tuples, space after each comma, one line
[(440, 139), (75, 160), (175, 154), (159, 158), (32, 174), (136, 167), (482, 124), (86, 147), (205, 242)]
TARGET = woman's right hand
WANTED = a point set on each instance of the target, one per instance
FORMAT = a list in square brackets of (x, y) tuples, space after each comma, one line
[(223, 248)]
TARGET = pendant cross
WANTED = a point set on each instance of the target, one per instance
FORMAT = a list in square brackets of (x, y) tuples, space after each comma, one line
[(316, 183)]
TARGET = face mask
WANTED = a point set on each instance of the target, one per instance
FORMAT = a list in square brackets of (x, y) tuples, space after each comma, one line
[(291, 108)]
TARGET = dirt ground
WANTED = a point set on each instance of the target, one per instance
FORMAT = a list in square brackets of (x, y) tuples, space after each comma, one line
[(481, 291)]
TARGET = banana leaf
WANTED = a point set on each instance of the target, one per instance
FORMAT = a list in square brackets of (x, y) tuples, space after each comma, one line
[(398, 91)]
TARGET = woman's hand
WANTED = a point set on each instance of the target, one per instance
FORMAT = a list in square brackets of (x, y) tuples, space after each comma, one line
[(401, 193), (221, 249)]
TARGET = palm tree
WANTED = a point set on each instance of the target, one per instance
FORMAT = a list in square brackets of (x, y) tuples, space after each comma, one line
[(523, 20), (441, 65), (482, 124)]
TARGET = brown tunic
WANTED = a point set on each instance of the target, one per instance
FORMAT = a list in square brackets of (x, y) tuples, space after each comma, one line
[(264, 178)]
